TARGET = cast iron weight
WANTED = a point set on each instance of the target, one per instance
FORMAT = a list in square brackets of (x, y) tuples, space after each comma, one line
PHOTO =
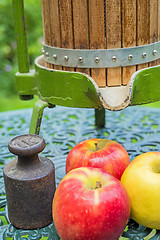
[(29, 183)]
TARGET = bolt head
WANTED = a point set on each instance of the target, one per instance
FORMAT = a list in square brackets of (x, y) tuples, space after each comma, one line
[(114, 58), (55, 56), (97, 59), (80, 59), (47, 54), (154, 52), (66, 58), (130, 56), (144, 55), (43, 52)]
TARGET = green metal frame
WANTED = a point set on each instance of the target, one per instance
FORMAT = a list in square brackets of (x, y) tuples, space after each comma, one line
[(62, 88), (72, 89), (20, 30), (146, 86), (37, 114), (21, 38), (26, 79)]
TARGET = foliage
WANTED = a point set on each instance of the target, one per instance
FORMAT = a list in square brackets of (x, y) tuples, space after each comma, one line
[(8, 55)]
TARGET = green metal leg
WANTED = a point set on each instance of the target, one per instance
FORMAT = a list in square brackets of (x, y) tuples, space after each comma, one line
[(38, 113), (100, 118), (37, 116)]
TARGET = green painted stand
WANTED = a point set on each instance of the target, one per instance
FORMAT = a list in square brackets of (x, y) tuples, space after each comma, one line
[(73, 89), (77, 90)]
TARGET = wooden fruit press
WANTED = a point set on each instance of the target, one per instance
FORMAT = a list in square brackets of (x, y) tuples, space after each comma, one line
[(96, 54), (99, 54)]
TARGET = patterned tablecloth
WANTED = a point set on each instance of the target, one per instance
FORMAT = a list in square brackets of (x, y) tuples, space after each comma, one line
[(136, 128)]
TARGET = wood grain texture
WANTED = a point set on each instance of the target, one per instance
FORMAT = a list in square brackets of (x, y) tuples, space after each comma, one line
[(97, 36), (55, 26), (129, 33), (113, 37), (80, 24), (143, 26), (65, 9), (46, 25), (153, 25)]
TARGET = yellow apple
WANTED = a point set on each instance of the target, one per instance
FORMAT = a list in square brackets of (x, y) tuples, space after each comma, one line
[(142, 182)]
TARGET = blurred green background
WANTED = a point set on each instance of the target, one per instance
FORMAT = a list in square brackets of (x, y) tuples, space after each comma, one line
[(9, 100)]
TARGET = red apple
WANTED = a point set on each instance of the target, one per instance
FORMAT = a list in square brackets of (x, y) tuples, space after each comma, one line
[(90, 203), (99, 153)]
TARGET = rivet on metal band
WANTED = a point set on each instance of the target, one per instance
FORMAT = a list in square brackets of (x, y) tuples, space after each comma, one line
[(144, 55), (97, 59), (66, 58), (154, 52), (130, 57), (102, 58), (54, 56), (47, 54), (43, 52), (80, 59), (114, 58)]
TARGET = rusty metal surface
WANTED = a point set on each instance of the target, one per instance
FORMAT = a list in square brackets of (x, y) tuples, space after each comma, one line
[(26, 145), (29, 183), (136, 128)]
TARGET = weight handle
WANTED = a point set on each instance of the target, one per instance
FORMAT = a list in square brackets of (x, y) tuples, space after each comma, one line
[(26, 145)]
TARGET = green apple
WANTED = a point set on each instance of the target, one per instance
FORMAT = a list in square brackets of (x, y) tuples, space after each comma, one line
[(142, 182)]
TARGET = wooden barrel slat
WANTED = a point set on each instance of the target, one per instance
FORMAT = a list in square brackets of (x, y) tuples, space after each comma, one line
[(66, 26), (97, 36), (80, 25), (46, 25), (55, 24), (153, 25), (129, 33), (143, 26), (101, 24), (113, 37)]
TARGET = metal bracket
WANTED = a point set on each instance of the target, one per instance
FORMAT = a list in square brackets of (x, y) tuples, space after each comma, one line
[(101, 58), (37, 114)]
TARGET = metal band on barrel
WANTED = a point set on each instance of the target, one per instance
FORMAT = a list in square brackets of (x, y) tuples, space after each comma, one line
[(101, 58)]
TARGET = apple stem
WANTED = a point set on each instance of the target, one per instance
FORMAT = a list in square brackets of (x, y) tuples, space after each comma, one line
[(96, 146), (98, 184)]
